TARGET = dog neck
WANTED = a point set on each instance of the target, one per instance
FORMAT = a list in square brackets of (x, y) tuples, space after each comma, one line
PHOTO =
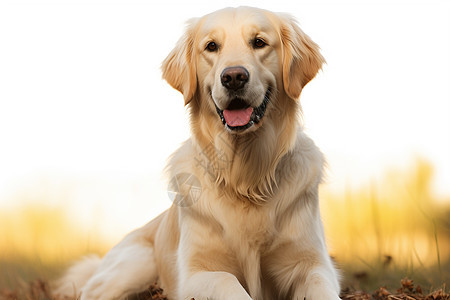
[(244, 165)]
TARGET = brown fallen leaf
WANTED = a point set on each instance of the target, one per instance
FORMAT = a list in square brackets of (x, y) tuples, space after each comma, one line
[(407, 284)]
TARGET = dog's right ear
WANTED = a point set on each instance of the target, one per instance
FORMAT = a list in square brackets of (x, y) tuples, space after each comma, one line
[(301, 57), (179, 66)]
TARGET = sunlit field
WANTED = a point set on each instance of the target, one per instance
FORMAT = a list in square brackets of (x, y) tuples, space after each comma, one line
[(38, 242), (86, 124), (378, 234), (390, 229)]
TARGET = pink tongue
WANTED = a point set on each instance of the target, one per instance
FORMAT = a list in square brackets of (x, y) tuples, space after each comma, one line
[(238, 117)]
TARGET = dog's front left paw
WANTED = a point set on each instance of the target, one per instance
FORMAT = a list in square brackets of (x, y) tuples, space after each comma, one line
[(322, 295), (321, 288)]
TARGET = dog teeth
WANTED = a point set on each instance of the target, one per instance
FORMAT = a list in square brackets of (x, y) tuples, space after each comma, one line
[(257, 114)]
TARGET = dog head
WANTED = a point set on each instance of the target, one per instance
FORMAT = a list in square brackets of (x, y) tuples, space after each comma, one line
[(238, 63)]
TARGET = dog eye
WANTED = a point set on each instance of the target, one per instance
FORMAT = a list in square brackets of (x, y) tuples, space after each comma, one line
[(211, 47), (259, 43)]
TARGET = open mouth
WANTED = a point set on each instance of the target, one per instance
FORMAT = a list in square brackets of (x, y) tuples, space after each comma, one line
[(239, 115)]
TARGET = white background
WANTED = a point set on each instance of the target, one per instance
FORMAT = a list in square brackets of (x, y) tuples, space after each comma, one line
[(86, 122)]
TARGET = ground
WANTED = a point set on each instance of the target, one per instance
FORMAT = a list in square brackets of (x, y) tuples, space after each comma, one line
[(38, 290)]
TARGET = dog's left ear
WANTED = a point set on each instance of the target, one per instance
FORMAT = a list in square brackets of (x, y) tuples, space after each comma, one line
[(179, 66), (301, 57)]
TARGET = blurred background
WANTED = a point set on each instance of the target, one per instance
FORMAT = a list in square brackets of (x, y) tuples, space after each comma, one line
[(87, 123)]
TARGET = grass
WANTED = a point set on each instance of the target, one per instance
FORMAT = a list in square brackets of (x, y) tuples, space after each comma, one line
[(390, 229), (378, 234), (39, 242)]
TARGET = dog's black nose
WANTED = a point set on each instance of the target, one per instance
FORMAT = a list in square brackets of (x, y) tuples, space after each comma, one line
[(234, 78)]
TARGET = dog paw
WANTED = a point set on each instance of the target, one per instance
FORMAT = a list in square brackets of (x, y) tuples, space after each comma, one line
[(321, 287), (321, 293)]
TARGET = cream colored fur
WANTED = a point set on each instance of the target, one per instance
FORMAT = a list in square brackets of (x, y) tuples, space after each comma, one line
[(254, 232)]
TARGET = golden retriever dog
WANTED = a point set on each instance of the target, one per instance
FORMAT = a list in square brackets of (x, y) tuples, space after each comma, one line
[(245, 223)]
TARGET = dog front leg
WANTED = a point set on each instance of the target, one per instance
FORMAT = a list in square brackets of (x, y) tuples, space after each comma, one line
[(212, 285)]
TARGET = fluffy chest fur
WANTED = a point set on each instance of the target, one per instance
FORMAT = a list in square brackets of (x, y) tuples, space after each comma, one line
[(244, 232)]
